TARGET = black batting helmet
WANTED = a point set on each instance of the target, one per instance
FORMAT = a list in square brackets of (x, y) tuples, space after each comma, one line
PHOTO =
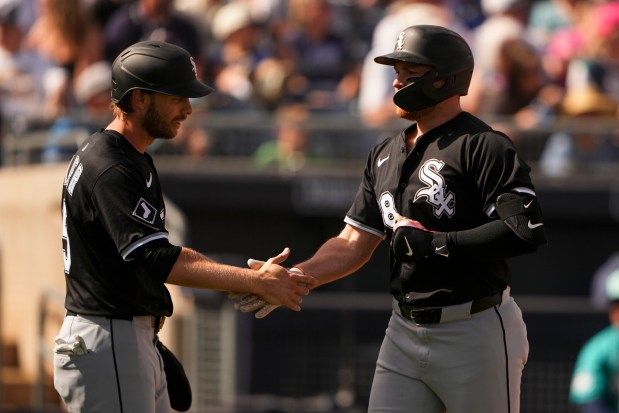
[(443, 49), (158, 67)]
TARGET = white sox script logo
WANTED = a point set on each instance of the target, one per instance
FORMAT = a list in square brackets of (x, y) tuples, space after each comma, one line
[(436, 193)]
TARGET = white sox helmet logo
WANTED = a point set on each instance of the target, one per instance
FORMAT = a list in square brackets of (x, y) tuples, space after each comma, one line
[(400, 43)]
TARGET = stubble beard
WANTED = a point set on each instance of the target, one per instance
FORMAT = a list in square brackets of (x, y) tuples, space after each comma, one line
[(416, 115), (155, 125)]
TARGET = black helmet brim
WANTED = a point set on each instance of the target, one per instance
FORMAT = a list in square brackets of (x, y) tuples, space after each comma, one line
[(391, 59)]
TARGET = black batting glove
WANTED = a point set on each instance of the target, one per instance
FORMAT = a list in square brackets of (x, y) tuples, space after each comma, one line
[(411, 241)]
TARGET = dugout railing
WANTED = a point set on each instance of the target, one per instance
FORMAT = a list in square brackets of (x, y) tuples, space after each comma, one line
[(334, 139)]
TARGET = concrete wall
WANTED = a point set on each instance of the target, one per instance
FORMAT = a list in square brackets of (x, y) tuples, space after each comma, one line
[(31, 252)]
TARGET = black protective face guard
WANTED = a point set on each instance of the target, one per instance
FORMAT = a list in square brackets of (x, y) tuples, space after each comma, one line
[(419, 95)]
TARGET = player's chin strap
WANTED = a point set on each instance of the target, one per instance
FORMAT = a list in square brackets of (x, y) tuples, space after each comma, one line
[(522, 214)]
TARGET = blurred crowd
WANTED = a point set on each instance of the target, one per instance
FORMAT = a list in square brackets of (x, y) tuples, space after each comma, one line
[(539, 65)]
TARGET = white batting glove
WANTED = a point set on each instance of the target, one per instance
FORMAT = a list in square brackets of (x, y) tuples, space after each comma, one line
[(248, 302)]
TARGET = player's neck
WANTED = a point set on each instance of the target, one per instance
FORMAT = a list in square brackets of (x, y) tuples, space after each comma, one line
[(431, 118), (135, 136), (437, 115)]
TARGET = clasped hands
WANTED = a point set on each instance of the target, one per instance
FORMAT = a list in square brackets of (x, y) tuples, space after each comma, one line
[(248, 302)]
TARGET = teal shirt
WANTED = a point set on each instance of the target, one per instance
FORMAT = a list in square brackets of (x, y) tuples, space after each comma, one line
[(596, 371)]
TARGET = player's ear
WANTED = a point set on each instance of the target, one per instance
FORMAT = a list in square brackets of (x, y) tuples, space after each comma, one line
[(139, 99)]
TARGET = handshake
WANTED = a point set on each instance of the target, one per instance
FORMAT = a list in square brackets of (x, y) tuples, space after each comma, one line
[(248, 302)]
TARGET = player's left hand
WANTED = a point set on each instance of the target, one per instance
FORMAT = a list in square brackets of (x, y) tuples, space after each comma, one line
[(412, 241)]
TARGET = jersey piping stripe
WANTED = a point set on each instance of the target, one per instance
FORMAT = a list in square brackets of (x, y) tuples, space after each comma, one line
[(363, 227), (127, 251), (524, 190)]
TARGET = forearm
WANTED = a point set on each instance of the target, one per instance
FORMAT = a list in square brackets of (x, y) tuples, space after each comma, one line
[(493, 240), (196, 270), (340, 256)]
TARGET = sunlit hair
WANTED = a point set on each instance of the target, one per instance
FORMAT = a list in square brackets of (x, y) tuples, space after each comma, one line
[(124, 106)]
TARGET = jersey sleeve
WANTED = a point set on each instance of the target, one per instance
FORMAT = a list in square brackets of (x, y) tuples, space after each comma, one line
[(132, 215), (497, 168), (365, 213)]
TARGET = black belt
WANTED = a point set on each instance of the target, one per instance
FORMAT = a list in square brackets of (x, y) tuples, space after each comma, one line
[(156, 322), (422, 316)]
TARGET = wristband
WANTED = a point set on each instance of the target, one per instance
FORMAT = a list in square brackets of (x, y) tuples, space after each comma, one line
[(440, 242)]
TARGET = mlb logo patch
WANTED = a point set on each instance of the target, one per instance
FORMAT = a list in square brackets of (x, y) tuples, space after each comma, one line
[(145, 211)]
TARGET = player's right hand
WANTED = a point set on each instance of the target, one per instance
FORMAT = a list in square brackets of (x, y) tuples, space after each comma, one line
[(411, 241), (247, 302)]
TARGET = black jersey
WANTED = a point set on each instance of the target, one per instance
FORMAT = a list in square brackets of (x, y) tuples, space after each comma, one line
[(112, 205), (449, 182)]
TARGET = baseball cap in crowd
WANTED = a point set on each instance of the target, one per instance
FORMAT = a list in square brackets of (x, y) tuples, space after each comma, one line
[(95, 79), (605, 283), (230, 18), (588, 100), (612, 286), (490, 7)]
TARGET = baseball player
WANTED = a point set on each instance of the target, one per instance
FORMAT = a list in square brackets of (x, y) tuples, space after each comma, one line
[(117, 256), (454, 200), (595, 380)]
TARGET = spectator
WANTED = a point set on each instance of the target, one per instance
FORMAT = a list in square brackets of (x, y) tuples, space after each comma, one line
[(505, 20), (519, 96), (567, 42), (289, 150), (151, 20), (65, 33), (593, 387), (92, 109), (546, 17), (238, 52), (588, 146), (325, 72), (518, 78), (22, 70), (598, 63)]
